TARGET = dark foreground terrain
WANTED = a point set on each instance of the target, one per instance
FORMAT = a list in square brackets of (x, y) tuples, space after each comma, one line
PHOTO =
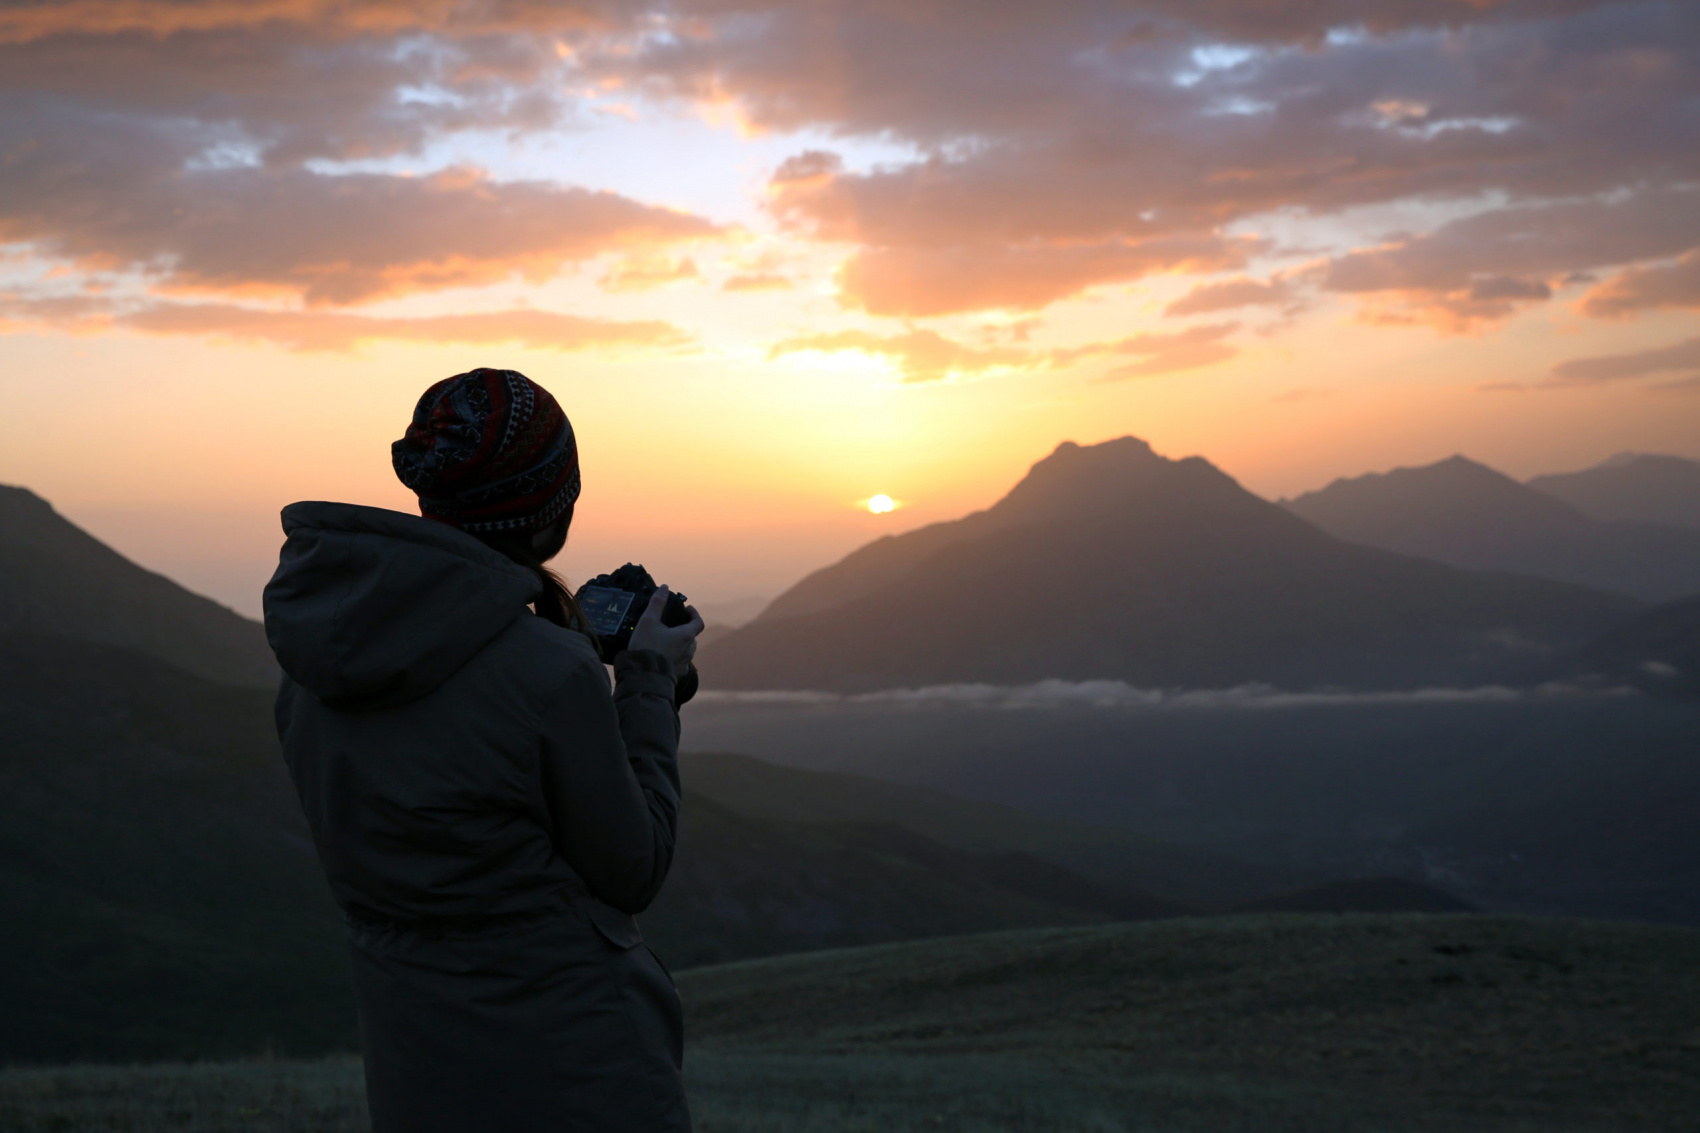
[(1267, 1023)]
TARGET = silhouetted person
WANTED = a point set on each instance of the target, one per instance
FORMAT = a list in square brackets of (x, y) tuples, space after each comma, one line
[(489, 813)]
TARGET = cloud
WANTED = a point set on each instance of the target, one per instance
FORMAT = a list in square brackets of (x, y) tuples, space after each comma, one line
[(920, 355), (330, 331), (24, 20), (1074, 144), (1616, 367), (1641, 289), (757, 281), (916, 282), (1061, 695), (1231, 294), (1482, 267), (1159, 353), (1685, 386), (228, 146), (326, 240), (646, 273)]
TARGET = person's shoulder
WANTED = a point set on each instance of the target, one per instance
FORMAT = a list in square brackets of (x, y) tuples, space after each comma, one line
[(550, 654)]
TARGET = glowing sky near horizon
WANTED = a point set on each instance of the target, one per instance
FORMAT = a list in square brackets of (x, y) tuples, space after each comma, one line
[(777, 260)]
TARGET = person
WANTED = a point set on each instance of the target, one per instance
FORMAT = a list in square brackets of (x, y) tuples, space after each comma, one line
[(489, 812)]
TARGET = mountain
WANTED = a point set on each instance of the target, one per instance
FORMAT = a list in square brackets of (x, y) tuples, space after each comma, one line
[(1632, 486), (161, 897), (1364, 895), (159, 893), (58, 581), (1115, 858), (1467, 515), (1659, 651), (1110, 561), (1573, 799)]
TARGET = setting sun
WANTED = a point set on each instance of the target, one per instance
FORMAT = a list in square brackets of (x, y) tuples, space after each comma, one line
[(879, 505)]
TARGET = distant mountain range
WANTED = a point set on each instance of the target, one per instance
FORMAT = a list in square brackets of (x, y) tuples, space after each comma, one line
[(1110, 561), (1466, 514), (1632, 486), (160, 895), (161, 898), (58, 581)]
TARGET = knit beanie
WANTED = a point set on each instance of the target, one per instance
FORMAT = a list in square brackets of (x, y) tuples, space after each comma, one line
[(489, 450)]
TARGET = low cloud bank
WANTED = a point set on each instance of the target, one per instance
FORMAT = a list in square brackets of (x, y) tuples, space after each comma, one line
[(1119, 694)]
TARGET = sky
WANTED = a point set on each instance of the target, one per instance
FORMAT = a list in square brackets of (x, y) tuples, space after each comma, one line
[(775, 259)]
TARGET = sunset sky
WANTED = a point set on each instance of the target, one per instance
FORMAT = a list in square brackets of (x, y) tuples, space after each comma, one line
[(775, 259)]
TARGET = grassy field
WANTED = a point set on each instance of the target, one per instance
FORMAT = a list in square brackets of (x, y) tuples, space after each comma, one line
[(1266, 1023)]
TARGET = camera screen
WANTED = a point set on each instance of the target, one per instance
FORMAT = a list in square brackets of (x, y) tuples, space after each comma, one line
[(605, 608)]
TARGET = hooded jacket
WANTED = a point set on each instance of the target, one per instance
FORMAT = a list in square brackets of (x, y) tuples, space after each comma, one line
[(481, 799)]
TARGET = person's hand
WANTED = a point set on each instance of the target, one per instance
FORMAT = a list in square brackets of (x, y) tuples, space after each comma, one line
[(676, 643)]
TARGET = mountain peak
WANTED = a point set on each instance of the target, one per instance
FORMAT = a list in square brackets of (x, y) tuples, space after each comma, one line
[(58, 581), (1079, 477)]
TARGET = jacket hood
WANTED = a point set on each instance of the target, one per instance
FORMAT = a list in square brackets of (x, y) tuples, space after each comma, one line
[(373, 608)]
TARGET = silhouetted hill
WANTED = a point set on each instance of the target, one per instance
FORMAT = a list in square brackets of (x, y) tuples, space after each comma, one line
[(1551, 800), (1467, 515), (1364, 895), (1271, 1023), (160, 895), (745, 887), (1632, 486), (56, 580), (1277, 1023), (1111, 561), (1120, 860), (158, 891), (1658, 651)]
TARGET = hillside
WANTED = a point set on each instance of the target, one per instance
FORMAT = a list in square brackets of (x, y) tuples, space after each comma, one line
[(1258, 1024), (1659, 651), (162, 899), (1556, 801), (1467, 515), (57, 581), (159, 893), (1111, 561), (1269, 1023), (1633, 486), (1118, 859)]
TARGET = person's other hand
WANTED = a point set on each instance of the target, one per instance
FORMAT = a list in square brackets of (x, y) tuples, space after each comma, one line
[(676, 643)]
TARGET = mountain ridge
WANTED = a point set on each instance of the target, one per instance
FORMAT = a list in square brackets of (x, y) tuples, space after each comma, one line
[(56, 580), (1109, 561), (1643, 487), (1463, 513)]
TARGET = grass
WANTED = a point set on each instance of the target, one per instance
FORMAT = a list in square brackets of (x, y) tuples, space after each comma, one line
[(1391, 1024)]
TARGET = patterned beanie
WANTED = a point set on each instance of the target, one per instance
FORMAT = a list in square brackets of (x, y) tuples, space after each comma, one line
[(489, 450)]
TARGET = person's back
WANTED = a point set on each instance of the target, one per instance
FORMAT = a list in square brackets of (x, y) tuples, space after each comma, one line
[(489, 817)]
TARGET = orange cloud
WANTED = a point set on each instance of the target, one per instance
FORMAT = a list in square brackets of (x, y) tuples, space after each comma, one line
[(1158, 353), (23, 20), (646, 273), (1617, 367), (1642, 289), (328, 331), (921, 281), (757, 281), (920, 355), (1231, 294)]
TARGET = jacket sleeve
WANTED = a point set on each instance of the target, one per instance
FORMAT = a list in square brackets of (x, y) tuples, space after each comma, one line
[(610, 770)]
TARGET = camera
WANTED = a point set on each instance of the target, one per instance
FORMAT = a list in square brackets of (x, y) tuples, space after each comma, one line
[(612, 604)]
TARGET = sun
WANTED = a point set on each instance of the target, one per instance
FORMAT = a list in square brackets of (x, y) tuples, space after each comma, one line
[(879, 505)]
